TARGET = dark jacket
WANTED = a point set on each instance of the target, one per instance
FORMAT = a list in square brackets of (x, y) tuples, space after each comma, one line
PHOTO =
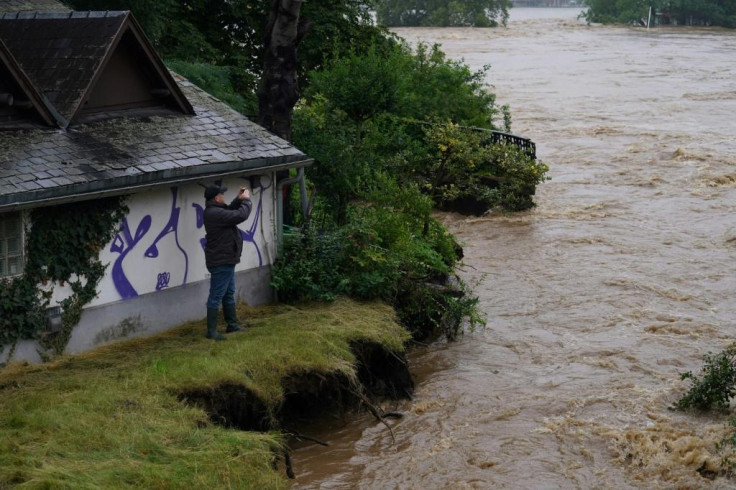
[(224, 242)]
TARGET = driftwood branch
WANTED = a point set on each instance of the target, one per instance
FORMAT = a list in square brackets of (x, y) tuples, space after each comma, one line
[(375, 411), (305, 437), (287, 462)]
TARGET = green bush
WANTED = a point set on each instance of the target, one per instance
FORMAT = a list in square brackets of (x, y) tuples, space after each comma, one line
[(361, 117), (463, 172), (220, 81), (716, 384), (390, 248), (309, 266)]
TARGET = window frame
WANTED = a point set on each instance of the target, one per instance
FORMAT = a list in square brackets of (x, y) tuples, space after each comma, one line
[(4, 253)]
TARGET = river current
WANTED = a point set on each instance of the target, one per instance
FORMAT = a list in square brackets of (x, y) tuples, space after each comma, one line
[(621, 278)]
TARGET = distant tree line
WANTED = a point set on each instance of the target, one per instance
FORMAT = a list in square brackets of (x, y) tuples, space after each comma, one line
[(678, 12), (443, 13)]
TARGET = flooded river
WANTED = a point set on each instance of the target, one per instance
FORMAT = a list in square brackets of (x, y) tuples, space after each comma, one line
[(622, 277)]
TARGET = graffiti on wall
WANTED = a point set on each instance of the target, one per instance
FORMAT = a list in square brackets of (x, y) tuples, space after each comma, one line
[(130, 247)]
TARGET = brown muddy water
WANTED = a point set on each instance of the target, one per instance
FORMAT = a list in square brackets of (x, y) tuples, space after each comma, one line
[(621, 278)]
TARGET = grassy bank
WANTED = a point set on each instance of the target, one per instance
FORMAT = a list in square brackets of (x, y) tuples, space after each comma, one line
[(113, 418)]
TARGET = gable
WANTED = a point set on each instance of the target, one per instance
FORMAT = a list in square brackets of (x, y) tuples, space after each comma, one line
[(20, 103), (90, 62), (128, 80)]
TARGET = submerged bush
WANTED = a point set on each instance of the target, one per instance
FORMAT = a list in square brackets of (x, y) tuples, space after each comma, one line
[(715, 386)]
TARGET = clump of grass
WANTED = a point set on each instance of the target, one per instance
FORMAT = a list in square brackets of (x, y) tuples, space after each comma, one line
[(111, 418)]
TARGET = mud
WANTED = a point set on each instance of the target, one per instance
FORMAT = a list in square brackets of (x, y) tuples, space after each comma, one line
[(310, 397)]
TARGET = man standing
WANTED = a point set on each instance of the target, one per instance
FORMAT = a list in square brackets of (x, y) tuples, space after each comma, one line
[(222, 250)]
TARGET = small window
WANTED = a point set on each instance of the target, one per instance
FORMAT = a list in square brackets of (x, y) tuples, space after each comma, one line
[(11, 244)]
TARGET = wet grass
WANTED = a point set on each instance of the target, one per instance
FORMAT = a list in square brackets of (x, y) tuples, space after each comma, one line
[(111, 418)]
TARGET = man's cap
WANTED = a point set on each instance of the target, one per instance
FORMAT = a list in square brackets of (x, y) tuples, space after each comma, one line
[(213, 190)]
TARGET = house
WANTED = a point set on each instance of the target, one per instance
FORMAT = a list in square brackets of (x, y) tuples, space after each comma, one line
[(87, 111)]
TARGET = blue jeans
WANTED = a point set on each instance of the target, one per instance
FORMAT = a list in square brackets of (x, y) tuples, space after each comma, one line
[(222, 286)]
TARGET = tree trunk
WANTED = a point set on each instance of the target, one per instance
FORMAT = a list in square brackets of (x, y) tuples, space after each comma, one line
[(279, 90)]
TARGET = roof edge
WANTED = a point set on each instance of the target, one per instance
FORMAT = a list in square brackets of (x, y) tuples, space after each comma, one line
[(42, 105), (160, 66), (161, 178)]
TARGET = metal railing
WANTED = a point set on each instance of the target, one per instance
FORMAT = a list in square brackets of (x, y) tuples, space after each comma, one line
[(498, 137), (494, 137)]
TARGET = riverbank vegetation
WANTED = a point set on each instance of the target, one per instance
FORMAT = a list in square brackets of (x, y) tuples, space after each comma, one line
[(443, 13), (387, 128), (673, 12), (165, 411)]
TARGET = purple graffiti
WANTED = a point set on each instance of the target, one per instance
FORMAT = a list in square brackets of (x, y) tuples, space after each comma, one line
[(123, 243), (171, 227), (163, 281), (250, 235), (200, 222)]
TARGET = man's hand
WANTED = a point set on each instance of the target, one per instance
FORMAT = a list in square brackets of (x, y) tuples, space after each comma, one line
[(243, 194)]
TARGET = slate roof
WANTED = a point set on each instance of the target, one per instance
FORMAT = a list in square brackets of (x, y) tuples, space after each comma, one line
[(42, 106), (63, 52), (115, 156), (35, 5)]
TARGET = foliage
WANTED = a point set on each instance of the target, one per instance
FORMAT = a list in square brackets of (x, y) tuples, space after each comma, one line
[(683, 12), (382, 240), (716, 384), (464, 171), (442, 13), (363, 85), (112, 418), (419, 84), (359, 126), (21, 310), (231, 34), (390, 248), (219, 81), (444, 90), (63, 246)]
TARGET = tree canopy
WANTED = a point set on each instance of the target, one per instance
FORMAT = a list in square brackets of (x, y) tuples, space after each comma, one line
[(681, 12), (194, 34), (442, 13)]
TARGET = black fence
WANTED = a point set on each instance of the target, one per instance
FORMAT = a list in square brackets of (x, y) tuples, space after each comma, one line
[(494, 137), (497, 137)]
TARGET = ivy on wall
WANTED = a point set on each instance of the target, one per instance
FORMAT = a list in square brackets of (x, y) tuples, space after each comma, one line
[(62, 246)]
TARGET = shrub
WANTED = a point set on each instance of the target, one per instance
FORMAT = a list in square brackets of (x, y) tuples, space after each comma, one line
[(221, 82), (309, 267), (462, 172), (389, 248), (716, 384)]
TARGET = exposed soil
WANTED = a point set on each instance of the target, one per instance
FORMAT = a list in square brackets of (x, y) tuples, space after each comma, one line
[(310, 396)]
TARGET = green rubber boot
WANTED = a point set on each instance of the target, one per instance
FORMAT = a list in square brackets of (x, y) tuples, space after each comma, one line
[(231, 318), (212, 332)]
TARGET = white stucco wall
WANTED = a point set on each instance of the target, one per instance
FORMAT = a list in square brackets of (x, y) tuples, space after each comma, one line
[(161, 245), (159, 251)]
